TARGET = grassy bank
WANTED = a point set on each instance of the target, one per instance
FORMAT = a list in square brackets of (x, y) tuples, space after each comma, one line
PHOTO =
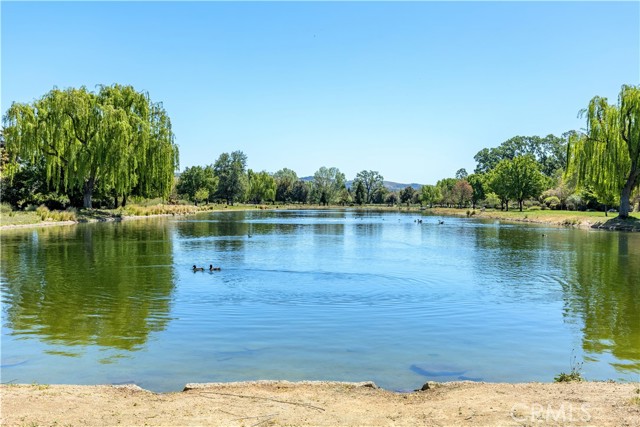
[(552, 217), (43, 216)]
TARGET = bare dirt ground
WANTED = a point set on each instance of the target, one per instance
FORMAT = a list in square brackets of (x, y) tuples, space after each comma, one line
[(282, 403)]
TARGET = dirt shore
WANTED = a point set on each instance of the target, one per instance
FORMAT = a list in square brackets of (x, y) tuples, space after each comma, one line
[(281, 403)]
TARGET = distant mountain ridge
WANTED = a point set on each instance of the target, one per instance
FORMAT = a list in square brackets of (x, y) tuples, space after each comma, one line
[(390, 185)]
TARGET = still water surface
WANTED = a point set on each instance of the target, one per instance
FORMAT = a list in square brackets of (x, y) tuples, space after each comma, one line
[(313, 295)]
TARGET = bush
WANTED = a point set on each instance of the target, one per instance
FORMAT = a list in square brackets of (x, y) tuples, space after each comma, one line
[(5, 208), (43, 212), (552, 202), (574, 202), (492, 201), (534, 208)]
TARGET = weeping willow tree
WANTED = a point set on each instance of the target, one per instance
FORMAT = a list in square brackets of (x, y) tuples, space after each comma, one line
[(115, 140), (607, 158)]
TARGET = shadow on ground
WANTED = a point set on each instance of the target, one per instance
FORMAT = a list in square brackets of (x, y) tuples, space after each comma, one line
[(629, 224)]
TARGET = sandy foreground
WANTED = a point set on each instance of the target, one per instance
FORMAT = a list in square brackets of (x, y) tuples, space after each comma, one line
[(281, 403)]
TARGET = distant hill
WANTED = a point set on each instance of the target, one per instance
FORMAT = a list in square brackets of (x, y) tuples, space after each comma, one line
[(390, 185)]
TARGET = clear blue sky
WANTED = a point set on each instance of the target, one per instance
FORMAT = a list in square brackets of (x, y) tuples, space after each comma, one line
[(412, 90)]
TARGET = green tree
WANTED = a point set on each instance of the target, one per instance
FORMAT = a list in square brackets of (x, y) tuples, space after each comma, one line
[(114, 141), (232, 179), (461, 174), (262, 186), (201, 195), (498, 182), (477, 182), (549, 152), (285, 182), (301, 191), (196, 178), (525, 179), (429, 195), (372, 182), (392, 199), (445, 188), (328, 185), (360, 193), (517, 179), (406, 194), (607, 158)]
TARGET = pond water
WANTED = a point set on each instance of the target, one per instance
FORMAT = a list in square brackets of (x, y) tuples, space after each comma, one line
[(317, 295)]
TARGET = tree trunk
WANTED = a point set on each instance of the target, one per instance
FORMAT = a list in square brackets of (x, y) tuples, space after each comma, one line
[(625, 205), (115, 201), (124, 200), (520, 203), (625, 195), (88, 192)]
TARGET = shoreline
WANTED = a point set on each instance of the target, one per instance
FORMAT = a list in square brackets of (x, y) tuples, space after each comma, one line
[(565, 219), (324, 403)]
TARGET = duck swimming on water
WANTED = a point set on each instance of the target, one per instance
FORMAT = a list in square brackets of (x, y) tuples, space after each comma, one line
[(197, 268), (212, 268)]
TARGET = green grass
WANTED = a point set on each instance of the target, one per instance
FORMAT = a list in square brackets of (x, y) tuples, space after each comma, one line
[(20, 218), (555, 217)]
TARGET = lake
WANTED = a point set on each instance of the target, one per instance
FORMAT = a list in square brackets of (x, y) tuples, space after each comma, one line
[(317, 295)]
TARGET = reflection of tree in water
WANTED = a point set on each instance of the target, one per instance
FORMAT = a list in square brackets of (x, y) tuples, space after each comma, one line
[(605, 293), (108, 284), (599, 273)]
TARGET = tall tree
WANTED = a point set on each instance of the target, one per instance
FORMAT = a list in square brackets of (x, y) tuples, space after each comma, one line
[(445, 188), (328, 185), (232, 180), (372, 182), (261, 186), (429, 194), (525, 179), (197, 178), (406, 194), (549, 152), (116, 140), (285, 182), (607, 158), (461, 173), (462, 192), (498, 182), (477, 182), (360, 193), (517, 179), (301, 191)]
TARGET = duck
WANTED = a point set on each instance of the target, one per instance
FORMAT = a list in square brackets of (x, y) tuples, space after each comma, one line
[(440, 222), (197, 268), (212, 268)]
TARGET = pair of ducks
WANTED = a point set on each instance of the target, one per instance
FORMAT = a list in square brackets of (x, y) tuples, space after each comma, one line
[(211, 268)]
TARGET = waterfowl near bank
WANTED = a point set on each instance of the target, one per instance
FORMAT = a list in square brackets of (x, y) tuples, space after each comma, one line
[(197, 268)]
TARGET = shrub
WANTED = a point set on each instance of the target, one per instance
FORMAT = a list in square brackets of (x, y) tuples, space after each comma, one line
[(574, 202), (492, 201), (552, 202), (5, 208), (534, 208), (43, 212)]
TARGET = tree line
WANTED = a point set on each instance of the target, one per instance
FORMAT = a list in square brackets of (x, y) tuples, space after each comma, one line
[(72, 146)]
